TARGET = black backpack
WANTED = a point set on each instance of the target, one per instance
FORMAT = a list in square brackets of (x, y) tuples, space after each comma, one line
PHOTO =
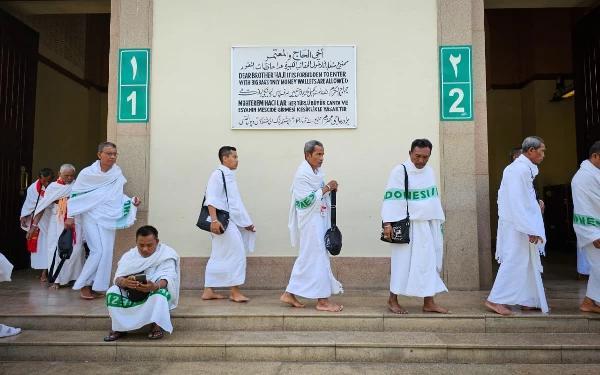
[(333, 236), (64, 247)]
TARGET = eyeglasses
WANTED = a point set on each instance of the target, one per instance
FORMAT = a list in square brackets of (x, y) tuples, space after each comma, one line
[(110, 154)]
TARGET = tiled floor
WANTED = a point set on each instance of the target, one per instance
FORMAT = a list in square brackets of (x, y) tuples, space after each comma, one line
[(26, 295)]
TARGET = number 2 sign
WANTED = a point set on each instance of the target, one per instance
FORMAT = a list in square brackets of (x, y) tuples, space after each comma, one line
[(134, 81), (456, 83)]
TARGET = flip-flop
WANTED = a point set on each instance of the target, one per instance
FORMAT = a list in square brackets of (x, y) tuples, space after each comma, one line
[(153, 334), (114, 335), (7, 331)]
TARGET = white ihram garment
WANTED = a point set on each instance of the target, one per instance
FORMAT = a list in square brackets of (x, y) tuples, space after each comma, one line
[(162, 265), (586, 220), (311, 276), (226, 266), (39, 259), (71, 269), (519, 279), (98, 198), (416, 266)]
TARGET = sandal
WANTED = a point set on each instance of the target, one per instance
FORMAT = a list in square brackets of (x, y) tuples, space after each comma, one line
[(156, 334), (114, 335), (7, 331)]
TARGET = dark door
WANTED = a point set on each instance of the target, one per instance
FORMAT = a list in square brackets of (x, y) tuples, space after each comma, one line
[(18, 79), (586, 71)]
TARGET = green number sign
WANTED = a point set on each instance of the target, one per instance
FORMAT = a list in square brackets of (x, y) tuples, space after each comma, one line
[(133, 104), (456, 83)]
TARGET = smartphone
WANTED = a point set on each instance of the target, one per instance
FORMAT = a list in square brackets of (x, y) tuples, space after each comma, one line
[(141, 278)]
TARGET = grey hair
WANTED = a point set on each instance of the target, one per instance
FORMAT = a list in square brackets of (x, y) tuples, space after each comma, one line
[(310, 146), (102, 145), (67, 167), (533, 141)]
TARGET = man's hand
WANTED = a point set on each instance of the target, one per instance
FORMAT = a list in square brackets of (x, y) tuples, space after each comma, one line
[(69, 223), (596, 243), (535, 239), (148, 287), (250, 228), (333, 185), (216, 228), (24, 221), (31, 233), (542, 205), (130, 283), (387, 232), (136, 202)]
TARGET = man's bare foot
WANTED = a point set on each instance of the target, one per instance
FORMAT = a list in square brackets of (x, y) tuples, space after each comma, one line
[(236, 296), (325, 304), (54, 286), (97, 294), (209, 293), (44, 276), (430, 306), (588, 305), (530, 308), (291, 300), (86, 292), (395, 307), (499, 309)]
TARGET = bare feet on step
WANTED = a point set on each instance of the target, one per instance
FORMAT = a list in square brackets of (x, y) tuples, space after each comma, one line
[(236, 296), (290, 299), (325, 304), (530, 308), (209, 293), (430, 306), (394, 306), (54, 286), (499, 309), (44, 276), (86, 292), (97, 294), (588, 305)]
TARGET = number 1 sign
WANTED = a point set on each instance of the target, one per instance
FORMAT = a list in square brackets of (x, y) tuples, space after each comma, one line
[(134, 81), (456, 83)]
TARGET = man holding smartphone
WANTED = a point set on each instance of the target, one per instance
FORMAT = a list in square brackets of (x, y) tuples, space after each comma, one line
[(146, 287)]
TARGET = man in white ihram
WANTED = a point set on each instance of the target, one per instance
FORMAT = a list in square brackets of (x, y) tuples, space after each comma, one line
[(310, 214), (59, 191), (521, 236), (586, 222), (416, 266), (226, 266), (97, 196)]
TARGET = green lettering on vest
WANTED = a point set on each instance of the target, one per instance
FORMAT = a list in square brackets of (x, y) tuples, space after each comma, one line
[(413, 195)]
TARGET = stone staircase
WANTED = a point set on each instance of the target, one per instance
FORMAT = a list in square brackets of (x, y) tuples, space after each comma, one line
[(60, 327)]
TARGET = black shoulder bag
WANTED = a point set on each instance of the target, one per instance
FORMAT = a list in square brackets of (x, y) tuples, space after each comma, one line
[(64, 248), (400, 229), (333, 236), (222, 215)]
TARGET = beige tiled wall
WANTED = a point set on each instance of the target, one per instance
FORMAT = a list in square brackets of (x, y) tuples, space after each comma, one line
[(464, 165)]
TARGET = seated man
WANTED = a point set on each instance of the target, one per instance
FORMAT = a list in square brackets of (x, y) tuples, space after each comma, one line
[(160, 265)]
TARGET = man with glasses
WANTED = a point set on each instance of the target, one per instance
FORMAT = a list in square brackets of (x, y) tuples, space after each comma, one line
[(97, 196)]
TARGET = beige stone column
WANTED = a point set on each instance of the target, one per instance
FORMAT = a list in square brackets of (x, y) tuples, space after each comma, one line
[(464, 161), (130, 27)]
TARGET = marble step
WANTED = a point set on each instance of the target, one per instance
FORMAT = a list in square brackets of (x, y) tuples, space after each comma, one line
[(310, 320), (302, 346), (289, 368)]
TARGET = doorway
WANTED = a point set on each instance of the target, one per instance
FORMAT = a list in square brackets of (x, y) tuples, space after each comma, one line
[(532, 62), (63, 98)]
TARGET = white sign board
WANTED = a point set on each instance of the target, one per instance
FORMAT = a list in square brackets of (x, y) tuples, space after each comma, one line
[(293, 87)]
